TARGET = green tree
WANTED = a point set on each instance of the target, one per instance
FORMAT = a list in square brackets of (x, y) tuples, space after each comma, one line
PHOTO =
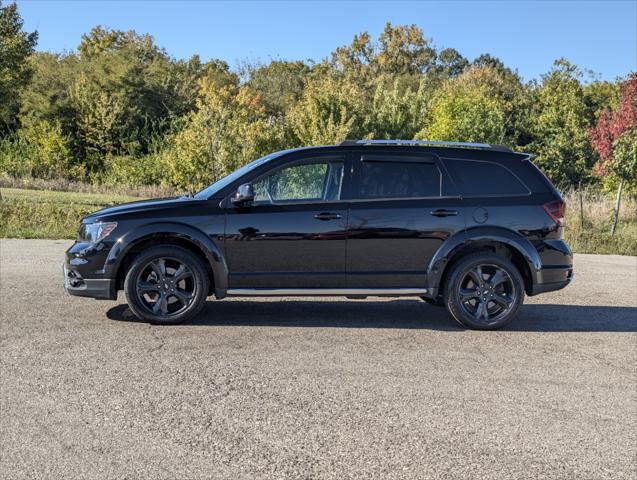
[(450, 63), (331, 110), (279, 84), (48, 96), (228, 128), (401, 51), (469, 108), (15, 48), (559, 125), (98, 122), (489, 61), (395, 110), (47, 150), (600, 96)]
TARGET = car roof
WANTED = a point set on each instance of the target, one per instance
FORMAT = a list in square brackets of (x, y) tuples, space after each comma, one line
[(445, 150)]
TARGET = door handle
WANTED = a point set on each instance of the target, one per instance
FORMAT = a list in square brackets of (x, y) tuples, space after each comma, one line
[(444, 213), (327, 216)]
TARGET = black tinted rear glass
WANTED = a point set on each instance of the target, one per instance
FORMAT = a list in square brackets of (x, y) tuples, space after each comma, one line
[(397, 180), (477, 178)]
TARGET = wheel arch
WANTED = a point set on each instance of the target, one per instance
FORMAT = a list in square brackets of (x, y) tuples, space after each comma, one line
[(185, 236), (492, 239)]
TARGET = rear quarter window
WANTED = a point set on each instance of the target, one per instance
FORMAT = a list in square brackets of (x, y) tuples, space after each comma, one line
[(482, 178), (396, 179)]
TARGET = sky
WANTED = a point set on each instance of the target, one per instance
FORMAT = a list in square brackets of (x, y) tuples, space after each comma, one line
[(600, 36)]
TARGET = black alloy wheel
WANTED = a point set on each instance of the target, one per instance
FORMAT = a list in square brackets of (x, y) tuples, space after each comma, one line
[(166, 285), (487, 293), (484, 291)]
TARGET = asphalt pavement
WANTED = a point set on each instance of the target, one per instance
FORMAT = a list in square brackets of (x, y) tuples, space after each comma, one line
[(315, 388)]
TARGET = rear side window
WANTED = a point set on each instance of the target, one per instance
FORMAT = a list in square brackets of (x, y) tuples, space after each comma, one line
[(395, 179), (478, 178)]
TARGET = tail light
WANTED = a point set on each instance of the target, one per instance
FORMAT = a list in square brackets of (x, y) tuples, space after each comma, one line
[(556, 210)]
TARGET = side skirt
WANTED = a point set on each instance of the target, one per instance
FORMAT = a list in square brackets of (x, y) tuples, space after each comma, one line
[(326, 292)]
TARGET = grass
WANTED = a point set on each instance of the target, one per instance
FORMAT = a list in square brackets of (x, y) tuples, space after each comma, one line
[(47, 213), (31, 213), (588, 221), (600, 241), (64, 185)]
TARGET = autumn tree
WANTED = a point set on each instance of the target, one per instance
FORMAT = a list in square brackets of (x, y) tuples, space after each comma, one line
[(614, 138)]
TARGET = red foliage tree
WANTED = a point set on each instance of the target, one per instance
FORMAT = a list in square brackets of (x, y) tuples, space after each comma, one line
[(611, 125)]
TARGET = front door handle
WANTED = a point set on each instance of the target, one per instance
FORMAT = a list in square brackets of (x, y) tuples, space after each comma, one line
[(327, 216), (444, 213)]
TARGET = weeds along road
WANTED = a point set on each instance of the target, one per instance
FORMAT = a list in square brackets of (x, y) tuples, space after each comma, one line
[(302, 388)]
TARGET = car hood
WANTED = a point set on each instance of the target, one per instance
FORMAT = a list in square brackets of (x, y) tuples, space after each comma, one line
[(140, 206)]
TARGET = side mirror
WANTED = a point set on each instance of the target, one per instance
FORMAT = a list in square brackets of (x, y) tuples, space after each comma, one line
[(245, 193)]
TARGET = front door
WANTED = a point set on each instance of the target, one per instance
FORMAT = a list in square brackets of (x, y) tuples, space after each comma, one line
[(294, 233), (403, 208)]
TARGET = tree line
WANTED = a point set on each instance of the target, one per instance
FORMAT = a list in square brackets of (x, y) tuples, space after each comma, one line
[(120, 110)]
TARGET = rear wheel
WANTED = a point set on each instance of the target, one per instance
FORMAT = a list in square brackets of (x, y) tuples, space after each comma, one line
[(166, 285), (484, 291)]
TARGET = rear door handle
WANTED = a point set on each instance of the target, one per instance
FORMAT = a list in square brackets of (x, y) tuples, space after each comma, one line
[(327, 216), (444, 213)]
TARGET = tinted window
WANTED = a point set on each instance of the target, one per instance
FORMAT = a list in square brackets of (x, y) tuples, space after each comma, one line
[(398, 180), (484, 178), (310, 181), (228, 179)]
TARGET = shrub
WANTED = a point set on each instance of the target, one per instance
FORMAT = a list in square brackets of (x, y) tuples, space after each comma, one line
[(134, 171), (48, 150)]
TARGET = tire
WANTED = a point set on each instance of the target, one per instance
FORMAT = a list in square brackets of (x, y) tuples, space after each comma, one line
[(171, 297), (488, 303)]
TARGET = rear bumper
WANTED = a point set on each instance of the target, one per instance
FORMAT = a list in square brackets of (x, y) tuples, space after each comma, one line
[(553, 278), (556, 267)]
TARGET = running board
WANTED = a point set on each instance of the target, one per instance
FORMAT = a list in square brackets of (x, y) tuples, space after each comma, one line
[(325, 292)]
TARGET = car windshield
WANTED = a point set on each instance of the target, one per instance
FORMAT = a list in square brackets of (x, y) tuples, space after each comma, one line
[(210, 190)]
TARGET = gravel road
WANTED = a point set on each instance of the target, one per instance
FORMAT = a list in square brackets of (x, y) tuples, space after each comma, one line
[(303, 388)]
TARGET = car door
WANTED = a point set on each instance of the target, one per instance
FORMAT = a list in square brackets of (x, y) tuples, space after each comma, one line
[(293, 235), (403, 208)]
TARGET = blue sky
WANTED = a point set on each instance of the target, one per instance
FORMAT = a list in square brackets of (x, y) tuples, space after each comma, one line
[(527, 36)]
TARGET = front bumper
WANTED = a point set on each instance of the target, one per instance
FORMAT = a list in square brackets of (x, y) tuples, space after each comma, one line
[(74, 284), (84, 272)]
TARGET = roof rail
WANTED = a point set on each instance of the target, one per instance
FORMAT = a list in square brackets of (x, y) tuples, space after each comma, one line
[(428, 143)]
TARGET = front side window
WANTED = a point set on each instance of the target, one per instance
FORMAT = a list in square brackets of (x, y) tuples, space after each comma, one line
[(395, 179), (313, 181)]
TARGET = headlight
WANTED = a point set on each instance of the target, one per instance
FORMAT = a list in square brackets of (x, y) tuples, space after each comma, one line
[(95, 232)]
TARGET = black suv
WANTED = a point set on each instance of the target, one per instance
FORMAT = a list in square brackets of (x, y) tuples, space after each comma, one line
[(470, 226)]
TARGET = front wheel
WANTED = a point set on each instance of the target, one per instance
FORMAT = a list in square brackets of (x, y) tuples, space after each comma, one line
[(484, 291), (166, 285)]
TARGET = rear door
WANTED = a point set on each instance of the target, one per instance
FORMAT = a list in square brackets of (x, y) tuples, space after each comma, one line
[(403, 207)]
